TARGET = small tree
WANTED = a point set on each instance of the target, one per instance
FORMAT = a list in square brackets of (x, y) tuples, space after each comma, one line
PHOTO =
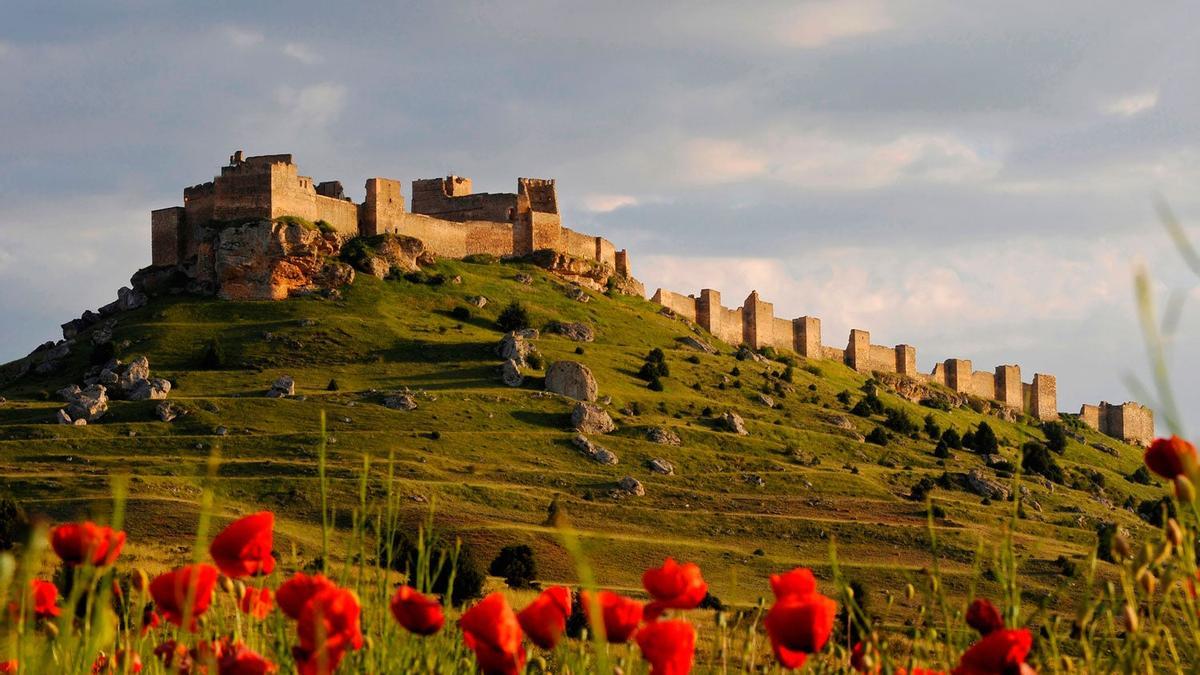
[(984, 440), (332, 386), (467, 572), (213, 357), (942, 451), (1036, 458), (513, 317), (1056, 437), (14, 524), (878, 436), (516, 564), (952, 439)]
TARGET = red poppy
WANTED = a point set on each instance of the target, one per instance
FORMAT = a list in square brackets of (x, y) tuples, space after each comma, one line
[(983, 616), (799, 581), (674, 586), (243, 548), (491, 630), (919, 671), (240, 660), (172, 592), (328, 628), (418, 613), (79, 543), (1171, 457), (256, 602), (103, 664), (669, 646), (621, 615), (858, 658), (44, 596), (798, 625), (150, 618), (545, 619), (1001, 651), (293, 594), (9, 666)]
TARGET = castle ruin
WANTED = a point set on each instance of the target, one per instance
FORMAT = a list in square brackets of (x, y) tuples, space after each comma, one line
[(754, 324), (450, 219)]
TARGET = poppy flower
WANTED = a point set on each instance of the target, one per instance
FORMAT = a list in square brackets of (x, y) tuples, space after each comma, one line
[(545, 619), (418, 613), (173, 591), (9, 666), (87, 542), (1001, 651), (799, 625), (858, 658), (799, 581), (44, 596), (150, 618), (669, 646), (243, 548), (1171, 457), (620, 615), (983, 616), (103, 664), (491, 630), (240, 660), (256, 602), (293, 594), (328, 628), (674, 586)]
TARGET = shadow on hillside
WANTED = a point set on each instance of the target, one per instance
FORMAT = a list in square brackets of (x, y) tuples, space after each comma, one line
[(474, 320), (417, 351), (550, 420)]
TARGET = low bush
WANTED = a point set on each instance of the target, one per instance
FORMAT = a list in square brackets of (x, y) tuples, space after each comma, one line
[(513, 317), (516, 565)]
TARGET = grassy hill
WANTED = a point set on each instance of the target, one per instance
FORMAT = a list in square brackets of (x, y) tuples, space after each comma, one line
[(491, 458)]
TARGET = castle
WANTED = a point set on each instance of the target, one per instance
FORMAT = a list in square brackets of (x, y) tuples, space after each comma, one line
[(451, 220), (754, 324)]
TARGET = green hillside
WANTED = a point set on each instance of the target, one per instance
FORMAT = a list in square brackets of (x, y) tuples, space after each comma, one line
[(491, 458)]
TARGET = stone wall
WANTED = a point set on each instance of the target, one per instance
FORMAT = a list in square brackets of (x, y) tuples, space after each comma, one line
[(383, 207), (806, 333), (683, 305), (725, 324), (165, 228), (1008, 386), (1043, 397), (490, 238), (607, 253), (576, 244), (450, 198), (1129, 422), (342, 214), (983, 384)]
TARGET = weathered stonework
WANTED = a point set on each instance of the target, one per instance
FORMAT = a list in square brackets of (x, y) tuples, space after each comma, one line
[(1130, 422)]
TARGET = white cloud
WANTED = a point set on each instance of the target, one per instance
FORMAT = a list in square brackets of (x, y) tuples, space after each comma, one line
[(301, 53), (1128, 106), (707, 161), (242, 37), (311, 108), (818, 24), (607, 203)]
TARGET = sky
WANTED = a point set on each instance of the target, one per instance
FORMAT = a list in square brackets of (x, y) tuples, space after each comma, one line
[(975, 179)]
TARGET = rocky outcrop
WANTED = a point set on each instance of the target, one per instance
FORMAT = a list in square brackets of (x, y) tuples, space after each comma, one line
[(589, 418), (269, 260), (168, 411), (662, 436), (983, 486), (404, 402), (510, 374), (596, 453), (916, 391), (658, 465), (572, 330), (88, 404), (514, 347), (697, 344), (631, 486), (590, 274), (571, 379), (282, 387), (733, 423)]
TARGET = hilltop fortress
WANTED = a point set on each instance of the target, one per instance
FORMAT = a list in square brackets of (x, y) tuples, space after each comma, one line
[(206, 241), (450, 219), (754, 324)]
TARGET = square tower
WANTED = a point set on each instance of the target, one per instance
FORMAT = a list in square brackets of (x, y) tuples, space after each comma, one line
[(858, 350), (1043, 397), (906, 360), (806, 336), (1008, 386), (958, 375)]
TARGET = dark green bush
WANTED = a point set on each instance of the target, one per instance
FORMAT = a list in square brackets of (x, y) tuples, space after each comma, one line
[(1036, 458), (952, 439), (332, 386), (1056, 437), (14, 524), (878, 436), (468, 572), (461, 313), (213, 357), (897, 420), (516, 565), (513, 317)]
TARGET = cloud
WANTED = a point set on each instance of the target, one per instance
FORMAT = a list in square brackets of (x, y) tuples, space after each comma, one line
[(301, 53), (709, 161), (607, 203), (309, 109), (242, 37), (1133, 104), (818, 24), (5, 49)]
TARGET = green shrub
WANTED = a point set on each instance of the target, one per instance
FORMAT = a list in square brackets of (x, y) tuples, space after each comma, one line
[(921, 490), (931, 428), (213, 357), (693, 359), (1141, 476), (897, 420), (481, 259), (1056, 437), (983, 440), (952, 439), (332, 386), (942, 451), (461, 313), (513, 317), (325, 227), (878, 436), (516, 565), (1036, 458), (14, 524), (936, 404), (466, 570), (843, 397), (655, 384)]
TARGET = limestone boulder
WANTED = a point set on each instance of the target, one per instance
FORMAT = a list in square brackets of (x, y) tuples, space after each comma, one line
[(523, 279), (282, 387), (595, 452), (631, 486), (510, 373), (572, 330), (151, 389), (478, 301), (658, 465), (589, 418), (571, 379), (514, 347), (377, 267), (697, 344), (408, 254), (662, 436), (168, 411), (983, 486), (577, 294), (89, 403), (766, 400), (406, 402), (266, 260), (733, 423)]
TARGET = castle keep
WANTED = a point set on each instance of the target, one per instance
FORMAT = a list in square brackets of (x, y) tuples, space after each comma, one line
[(450, 219), (754, 324)]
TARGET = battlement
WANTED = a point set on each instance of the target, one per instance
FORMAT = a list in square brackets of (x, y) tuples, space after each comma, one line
[(754, 324), (1131, 422), (447, 215)]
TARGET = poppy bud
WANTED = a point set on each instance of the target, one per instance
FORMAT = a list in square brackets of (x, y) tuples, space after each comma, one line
[(1174, 533), (239, 588), (51, 628), (1147, 581), (1185, 491), (909, 591), (139, 580), (1121, 546), (226, 584), (1131, 619)]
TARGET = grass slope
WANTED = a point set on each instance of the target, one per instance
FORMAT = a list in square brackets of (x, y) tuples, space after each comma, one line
[(502, 455)]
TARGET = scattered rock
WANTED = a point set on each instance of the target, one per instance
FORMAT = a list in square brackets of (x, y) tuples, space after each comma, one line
[(523, 278), (755, 480), (981, 485), (456, 279), (766, 400), (282, 387), (1108, 450), (62, 416), (88, 404), (516, 348), (631, 486), (80, 422), (697, 344), (577, 293), (589, 418), (662, 436), (744, 353), (221, 431), (151, 389), (839, 421), (478, 300), (167, 411), (377, 267), (511, 374), (572, 379), (592, 451), (573, 330), (658, 465), (400, 402), (733, 422)]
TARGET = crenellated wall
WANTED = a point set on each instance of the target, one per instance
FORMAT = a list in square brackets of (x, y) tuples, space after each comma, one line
[(1130, 422)]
